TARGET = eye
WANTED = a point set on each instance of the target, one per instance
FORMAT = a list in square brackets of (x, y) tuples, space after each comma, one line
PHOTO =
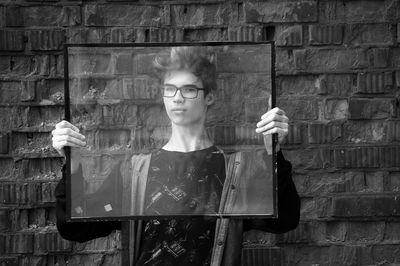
[(189, 89), (169, 88)]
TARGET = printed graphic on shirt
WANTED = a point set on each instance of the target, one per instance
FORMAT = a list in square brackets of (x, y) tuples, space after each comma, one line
[(182, 183)]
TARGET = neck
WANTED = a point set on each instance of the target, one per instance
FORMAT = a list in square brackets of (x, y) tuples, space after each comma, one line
[(186, 139)]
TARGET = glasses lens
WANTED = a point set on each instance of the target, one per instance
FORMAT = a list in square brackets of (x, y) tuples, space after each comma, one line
[(189, 91), (169, 91)]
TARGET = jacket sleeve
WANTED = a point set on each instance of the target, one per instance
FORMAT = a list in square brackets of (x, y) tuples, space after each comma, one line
[(79, 231), (288, 203)]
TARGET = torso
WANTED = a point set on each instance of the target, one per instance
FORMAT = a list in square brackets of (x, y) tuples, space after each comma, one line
[(182, 183)]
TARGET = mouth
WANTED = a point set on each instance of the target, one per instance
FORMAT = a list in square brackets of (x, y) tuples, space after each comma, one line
[(178, 110)]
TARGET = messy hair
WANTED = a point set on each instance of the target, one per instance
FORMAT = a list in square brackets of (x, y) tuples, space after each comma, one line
[(197, 60)]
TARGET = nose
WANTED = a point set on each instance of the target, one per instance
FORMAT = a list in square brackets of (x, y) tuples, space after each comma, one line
[(178, 96)]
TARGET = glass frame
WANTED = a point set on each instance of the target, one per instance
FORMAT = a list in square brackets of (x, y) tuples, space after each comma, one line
[(68, 117)]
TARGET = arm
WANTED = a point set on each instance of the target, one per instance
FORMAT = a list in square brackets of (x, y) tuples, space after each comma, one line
[(288, 203), (78, 231)]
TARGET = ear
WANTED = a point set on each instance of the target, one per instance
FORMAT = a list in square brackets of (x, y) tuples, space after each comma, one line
[(210, 98)]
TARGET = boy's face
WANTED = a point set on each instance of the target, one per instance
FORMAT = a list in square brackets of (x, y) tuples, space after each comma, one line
[(183, 111)]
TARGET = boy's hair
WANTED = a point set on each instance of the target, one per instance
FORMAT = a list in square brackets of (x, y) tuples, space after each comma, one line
[(197, 60)]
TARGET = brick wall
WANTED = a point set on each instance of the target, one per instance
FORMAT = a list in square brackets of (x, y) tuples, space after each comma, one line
[(338, 80)]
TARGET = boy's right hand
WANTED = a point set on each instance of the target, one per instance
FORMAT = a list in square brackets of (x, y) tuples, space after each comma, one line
[(66, 134)]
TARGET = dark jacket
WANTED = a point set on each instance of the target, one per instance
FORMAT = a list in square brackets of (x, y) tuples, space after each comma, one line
[(229, 234)]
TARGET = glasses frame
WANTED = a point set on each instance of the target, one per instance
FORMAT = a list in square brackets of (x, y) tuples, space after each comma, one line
[(180, 90)]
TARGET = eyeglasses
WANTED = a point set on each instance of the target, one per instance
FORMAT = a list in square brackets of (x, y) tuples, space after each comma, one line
[(187, 91)]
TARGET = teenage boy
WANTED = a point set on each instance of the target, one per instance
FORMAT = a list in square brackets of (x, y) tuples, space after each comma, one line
[(188, 175)]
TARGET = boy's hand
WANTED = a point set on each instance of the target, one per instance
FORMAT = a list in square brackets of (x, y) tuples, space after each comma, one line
[(273, 121), (65, 134)]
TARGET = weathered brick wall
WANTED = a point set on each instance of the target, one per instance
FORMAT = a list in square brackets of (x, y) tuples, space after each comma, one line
[(338, 79)]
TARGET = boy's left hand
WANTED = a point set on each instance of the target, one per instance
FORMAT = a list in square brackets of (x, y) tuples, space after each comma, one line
[(274, 121)]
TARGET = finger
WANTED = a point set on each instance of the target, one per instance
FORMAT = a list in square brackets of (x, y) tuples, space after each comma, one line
[(69, 140), (279, 131), (68, 132), (272, 125), (271, 118), (276, 110), (66, 124)]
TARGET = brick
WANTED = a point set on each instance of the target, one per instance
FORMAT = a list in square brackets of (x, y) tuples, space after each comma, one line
[(329, 60), (12, 40), (153, 116), (368, 34), (166, 35), (4, 220), (102, 243), (120, 114), (392, 182), (371, 83), (238, 85), (14, 17), (44, 115), (123, 64), (304, 11), (264, 256), (37, 168), (89, 64), (391, 231), (254, 60), (245, 33), (30, 141), (109, 139), (8, 260), (315, 184), (284, 62), (393, 131), (2, 16), (10, 91), (193, 15), (204, 34), (46, 40), (121, 35), (4, 143), (299, 109), (298, 235), (313, 208), (88, 35), (295, 135), (336, 109), (50, 90), (355, 232), (28, 90), (5, 64), (371, 108), (6, 167), (366, 11), (337, 84), (309, 159), (379, 253), (52, 16), (123, 15), (289, 35), (255, 108), (19, 243), (389, 156), (331, 12), (379, 57), (325, 34), (21, 65), (358, 157), (49, 242), (365, 206), (56, 65), (312, 254), (253, 237), (324, 133), (369, 131), (143, 63)]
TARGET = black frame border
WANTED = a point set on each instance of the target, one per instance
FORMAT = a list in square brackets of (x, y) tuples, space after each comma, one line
[(67, 117)]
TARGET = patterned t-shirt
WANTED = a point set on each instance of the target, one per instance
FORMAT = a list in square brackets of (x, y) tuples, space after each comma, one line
[(182, 183)]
